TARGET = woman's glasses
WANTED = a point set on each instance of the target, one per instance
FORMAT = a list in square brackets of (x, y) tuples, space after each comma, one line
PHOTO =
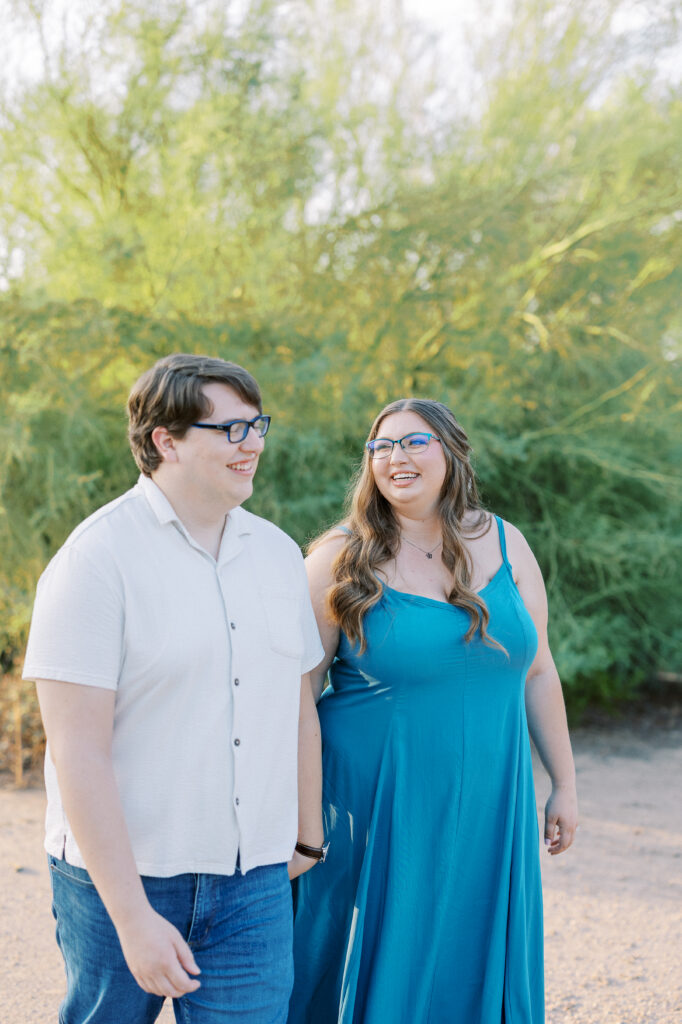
[(412, 444)]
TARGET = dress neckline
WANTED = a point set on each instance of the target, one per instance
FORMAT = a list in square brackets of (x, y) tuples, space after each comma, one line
[(434, 600)]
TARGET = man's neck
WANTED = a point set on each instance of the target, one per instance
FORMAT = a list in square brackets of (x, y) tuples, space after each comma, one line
[(204, 522)]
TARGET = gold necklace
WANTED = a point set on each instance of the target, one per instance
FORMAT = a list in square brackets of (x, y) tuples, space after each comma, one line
[(429, 554)]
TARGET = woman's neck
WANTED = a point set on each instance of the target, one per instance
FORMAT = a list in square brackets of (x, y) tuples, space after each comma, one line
[(425, 531)]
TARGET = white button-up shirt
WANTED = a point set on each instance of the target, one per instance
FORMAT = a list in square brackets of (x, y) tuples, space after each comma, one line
[(206, 659)]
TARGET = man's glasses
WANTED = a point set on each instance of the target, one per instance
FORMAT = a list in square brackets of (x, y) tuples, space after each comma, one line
[(412, 444), (236, 430)]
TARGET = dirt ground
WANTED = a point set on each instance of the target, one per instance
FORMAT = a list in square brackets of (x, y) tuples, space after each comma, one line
[(613, 903)]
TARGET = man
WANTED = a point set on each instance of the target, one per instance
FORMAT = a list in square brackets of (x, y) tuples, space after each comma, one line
[(171, 640)]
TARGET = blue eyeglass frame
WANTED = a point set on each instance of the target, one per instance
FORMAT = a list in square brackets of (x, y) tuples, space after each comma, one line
[(369, 445), (246, 424)]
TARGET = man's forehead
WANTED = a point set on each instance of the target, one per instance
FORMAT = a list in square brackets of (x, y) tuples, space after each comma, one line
[(226, 403)]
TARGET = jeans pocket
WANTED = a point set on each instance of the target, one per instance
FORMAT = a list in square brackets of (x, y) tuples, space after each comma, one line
[(70, 871)]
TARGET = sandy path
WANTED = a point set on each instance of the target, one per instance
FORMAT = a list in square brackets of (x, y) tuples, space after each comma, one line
[(613, 904)]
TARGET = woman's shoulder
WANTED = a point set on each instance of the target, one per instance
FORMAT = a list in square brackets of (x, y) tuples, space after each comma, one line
[(320, 559), (326, 547), (513, 534), (519, 552), (481, 521), (341, 530), (338, 533), (488, 527)]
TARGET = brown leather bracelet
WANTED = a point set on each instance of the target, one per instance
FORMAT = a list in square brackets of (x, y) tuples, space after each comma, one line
[(316, 852)]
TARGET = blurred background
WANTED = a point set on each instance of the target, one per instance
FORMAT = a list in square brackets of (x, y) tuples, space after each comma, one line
[(479, 203)]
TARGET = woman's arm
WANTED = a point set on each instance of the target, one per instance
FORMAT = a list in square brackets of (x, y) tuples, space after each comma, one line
[(318, 566), (545, 703)]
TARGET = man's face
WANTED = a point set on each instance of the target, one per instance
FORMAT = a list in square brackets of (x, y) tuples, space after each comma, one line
[(216, 471)]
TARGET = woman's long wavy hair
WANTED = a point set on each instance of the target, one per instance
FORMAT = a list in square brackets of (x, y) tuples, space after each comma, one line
[(374, 537)]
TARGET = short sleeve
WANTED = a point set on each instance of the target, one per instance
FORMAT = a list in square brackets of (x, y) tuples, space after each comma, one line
[(76, 633), (313, 651)]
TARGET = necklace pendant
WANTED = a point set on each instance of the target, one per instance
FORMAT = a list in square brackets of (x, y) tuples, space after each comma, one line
[(429, 555)]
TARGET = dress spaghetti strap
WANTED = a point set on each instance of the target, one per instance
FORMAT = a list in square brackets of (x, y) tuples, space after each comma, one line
[(503, 542)]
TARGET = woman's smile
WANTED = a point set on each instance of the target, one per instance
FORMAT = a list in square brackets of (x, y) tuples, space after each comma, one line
[(402, 478)]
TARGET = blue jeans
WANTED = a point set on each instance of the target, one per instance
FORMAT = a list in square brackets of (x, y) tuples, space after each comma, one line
[(238, 928)]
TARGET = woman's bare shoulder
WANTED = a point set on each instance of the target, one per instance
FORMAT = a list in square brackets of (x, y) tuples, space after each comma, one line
[(334, 536), (520, 554), (476, 522), (325, 548), (515, 538)]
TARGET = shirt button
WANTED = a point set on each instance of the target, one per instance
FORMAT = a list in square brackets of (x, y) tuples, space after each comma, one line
[(236, 743), (233, 625), (236, 800), (236, 682)]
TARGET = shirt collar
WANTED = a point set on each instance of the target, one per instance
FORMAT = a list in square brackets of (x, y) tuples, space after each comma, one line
[(238, 521), (157, 500)]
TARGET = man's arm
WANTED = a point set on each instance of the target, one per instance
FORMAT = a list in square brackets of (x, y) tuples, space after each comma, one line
[(78, 723), (318, 567), (310, 829)]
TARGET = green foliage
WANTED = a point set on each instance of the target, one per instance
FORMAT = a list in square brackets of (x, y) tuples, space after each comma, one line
[(274, 191)]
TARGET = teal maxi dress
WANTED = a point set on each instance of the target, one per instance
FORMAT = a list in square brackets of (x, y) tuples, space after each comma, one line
[(428, 909)]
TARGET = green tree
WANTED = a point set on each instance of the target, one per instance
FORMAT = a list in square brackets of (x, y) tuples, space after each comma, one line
[(274, 189)]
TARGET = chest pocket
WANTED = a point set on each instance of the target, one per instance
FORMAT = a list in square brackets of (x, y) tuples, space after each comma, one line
[(283, 618)]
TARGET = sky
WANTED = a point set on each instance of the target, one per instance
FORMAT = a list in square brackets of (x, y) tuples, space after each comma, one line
[(447, 20)]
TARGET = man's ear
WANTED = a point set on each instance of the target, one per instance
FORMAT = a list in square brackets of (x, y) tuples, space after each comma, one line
[(165, 444)]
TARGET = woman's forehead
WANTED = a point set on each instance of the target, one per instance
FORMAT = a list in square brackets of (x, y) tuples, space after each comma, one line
[(397, 424)]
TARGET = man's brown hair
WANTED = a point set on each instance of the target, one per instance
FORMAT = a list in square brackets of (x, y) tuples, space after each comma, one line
[(170, 395)]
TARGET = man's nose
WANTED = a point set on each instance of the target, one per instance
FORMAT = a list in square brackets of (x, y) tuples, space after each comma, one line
[(253, 442)]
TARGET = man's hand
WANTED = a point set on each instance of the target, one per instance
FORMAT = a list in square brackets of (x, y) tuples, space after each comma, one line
[(158, 957), (310, 829), (79, 725), (299, 864)]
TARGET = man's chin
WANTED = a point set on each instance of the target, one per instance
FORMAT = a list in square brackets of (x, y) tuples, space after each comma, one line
[(241, 493)]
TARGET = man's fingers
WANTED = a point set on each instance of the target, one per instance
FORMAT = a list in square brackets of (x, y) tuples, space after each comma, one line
[(186, 958), (178, 975), (179, 983), (172, 984), (177, 979), (159, 958), (155, 986)]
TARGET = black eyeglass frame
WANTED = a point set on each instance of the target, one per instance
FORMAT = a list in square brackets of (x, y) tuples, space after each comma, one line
[(247, 425), (369, 445)]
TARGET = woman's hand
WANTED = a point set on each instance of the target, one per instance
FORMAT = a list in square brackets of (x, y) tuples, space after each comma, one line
[(561, 818), (299, 864)]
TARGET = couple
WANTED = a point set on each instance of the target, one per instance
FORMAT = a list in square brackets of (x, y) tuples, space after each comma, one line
[(178, 664)]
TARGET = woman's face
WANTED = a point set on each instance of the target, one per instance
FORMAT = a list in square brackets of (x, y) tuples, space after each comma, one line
[(410, 481)]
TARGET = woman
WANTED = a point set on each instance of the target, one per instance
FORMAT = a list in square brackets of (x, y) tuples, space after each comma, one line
[(433, 617)]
